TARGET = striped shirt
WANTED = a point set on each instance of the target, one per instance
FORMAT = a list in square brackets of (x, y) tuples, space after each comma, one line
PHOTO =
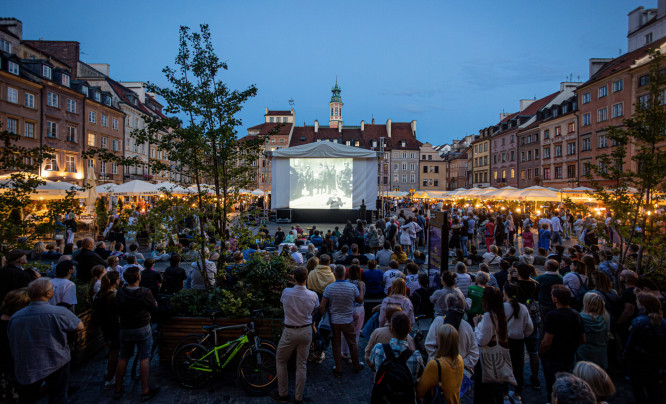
[(341, 296)]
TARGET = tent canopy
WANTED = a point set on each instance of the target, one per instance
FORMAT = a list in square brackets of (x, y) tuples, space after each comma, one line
[(49, 190), (324, 149), (135, 188), (537, 193)]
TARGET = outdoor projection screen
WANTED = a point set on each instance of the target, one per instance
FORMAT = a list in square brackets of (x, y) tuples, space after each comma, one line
[(320, 183), (323, 176)]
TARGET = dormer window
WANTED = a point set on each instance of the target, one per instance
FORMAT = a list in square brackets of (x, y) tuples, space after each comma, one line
[(403, 143), (13, 68), (107, 100), (5, 46), (98, 97), (46, 72), (565, 108), (84, 90), (65, 80)]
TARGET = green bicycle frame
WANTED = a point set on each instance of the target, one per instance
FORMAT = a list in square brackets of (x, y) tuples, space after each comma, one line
[(203, 366)]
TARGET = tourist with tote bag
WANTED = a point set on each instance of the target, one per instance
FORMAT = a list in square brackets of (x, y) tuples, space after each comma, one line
[(494, 366)]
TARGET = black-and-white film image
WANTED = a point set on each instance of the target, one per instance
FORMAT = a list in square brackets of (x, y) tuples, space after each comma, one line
[(320, 183)]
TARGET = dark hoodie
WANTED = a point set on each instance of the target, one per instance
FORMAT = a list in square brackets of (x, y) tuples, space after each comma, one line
[(134, 307)]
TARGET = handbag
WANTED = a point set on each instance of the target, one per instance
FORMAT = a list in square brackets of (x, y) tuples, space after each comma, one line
[(325, 323), (436, 395), (496, 364)]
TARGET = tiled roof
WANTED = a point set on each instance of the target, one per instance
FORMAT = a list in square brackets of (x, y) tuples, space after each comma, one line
[(280, 113), (399, 131), (534, 107), (125, 94), (265, 128), (622, 62)]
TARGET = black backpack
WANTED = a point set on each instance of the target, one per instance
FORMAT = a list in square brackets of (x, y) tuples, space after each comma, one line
[(393, 381)]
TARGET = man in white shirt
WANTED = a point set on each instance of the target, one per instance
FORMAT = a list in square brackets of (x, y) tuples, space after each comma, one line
[(299, 305), (390, 275), (384, 255), (556, 226), (64, 290), (467, 346), (295, 255)]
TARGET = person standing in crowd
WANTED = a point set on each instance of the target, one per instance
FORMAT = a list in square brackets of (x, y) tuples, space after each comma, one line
[(87, 259), (299, 305), (475, 293), (563, 333), (174, 276), (48, 360), (135, 305), (491, 326), (528, 292), (383, 335), (70, 224), (359, 311), (398, 297), (392, 274), (14, 301), (596, 323), (150, 278), (13, 276), (489, 231), (628, 307), (446, 370), (64, 290), (569, 389), (372, 277), (438, 298), (519, 327), (601, 384), (556, 225), (546, 283), (322, 276), (110, 324), (645, 351), (339, 298), (544, 237)]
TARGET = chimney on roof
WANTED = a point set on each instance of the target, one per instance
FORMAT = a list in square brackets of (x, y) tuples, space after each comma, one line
[(14, 26), (316, 126), (596, 64), (266, 113), (524, 104), (388, 127), (504, 115), (373, 120), (292, 111), (103, 68), (413, 125), (362, 126)]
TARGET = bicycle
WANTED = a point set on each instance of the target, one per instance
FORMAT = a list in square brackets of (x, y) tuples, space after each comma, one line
[(209, 339), (194, 364)]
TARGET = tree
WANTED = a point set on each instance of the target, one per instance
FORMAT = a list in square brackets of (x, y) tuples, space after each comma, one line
[(17, 207), (641, 139)]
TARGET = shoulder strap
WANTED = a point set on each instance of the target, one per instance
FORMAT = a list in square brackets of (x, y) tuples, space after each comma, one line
[(405, 355), (439, 372), (388, 351)]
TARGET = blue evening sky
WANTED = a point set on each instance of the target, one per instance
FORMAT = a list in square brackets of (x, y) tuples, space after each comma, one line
[(451, 65)]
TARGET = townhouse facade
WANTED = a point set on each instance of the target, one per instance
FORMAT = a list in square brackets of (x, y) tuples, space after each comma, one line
[(433, 169), (559, 144), (481, 159)]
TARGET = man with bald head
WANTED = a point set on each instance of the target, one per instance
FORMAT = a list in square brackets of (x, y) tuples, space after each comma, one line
[(87, 259), (48, 360)]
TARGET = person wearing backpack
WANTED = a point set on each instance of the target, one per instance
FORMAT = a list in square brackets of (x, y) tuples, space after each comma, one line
[(578, 284), (519, 327), (528, 293), (105, 315), (396, 366), (443, 375)]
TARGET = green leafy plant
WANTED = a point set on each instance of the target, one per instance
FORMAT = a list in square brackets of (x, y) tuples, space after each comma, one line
[(102, 212)]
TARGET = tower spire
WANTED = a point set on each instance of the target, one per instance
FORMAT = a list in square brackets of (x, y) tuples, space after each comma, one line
[(336, 106)]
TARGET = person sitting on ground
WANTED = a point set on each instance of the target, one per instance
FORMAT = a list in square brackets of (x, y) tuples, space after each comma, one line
[(445, 369), (64, 290), (384, 255), (134, 250), (316, 239), (356, 255), (438, 298), (569, 389), (175, 276), (160, 254), (397, 295), (527, 257), (558, 254), (473, 258), (390, 275), (230, 269), (50, 253), (412, 277), (510, 256), (383, 335), (112, 265), (250, 250), (196, 273), (131, 262), (419, 257), (372, 277), (540, 258), (463, 279), (340, 256), (100, 249), (398, 254), (296, 256), (421, 297), (118, 251), (492, 257)]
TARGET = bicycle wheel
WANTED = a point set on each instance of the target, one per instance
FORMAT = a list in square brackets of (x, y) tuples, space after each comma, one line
[(190, 339), (190, 369), (257, 371)]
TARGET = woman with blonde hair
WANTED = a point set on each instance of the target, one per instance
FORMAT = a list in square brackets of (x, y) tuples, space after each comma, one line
[(398, 296), (596, 325), (37, 251), (312, 263), (446, 370), (398, 254), (312, 252), (601, 384)]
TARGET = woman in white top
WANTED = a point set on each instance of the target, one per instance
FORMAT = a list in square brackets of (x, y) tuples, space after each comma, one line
[(407, 233), (463, 279), (519, 327), (490, 329), (492, 258)]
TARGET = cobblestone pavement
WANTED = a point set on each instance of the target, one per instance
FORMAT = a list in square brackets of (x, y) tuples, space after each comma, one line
[(321, 386)]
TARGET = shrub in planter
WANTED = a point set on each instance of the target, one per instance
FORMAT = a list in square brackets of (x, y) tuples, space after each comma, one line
[(194, 303)]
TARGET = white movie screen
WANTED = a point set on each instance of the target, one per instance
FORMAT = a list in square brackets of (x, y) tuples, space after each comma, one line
[(320, 183)]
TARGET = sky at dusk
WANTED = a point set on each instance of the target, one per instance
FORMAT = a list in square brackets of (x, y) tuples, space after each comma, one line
[(452, 65)]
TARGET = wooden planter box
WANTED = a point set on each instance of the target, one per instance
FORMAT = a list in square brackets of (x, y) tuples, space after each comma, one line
[(87, 342), (178, 327)]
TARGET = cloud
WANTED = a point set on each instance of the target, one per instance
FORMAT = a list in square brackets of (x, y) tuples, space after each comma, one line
[(422, 108)]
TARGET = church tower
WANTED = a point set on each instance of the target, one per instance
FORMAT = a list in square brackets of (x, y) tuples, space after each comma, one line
[(336, 107)]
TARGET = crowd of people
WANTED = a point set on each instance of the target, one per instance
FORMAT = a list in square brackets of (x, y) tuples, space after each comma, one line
[(568, 307)]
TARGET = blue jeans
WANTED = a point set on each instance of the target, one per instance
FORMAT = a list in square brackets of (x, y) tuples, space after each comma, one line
[(463, 244), (141, 337), (557, 237)]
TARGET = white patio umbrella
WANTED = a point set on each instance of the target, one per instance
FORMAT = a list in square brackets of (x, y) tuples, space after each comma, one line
[(105, 188), (257, 192), (537, 193), (459, 192), (49, 190), (173, 188), (438, 194), (135, 188), (503, 193)]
